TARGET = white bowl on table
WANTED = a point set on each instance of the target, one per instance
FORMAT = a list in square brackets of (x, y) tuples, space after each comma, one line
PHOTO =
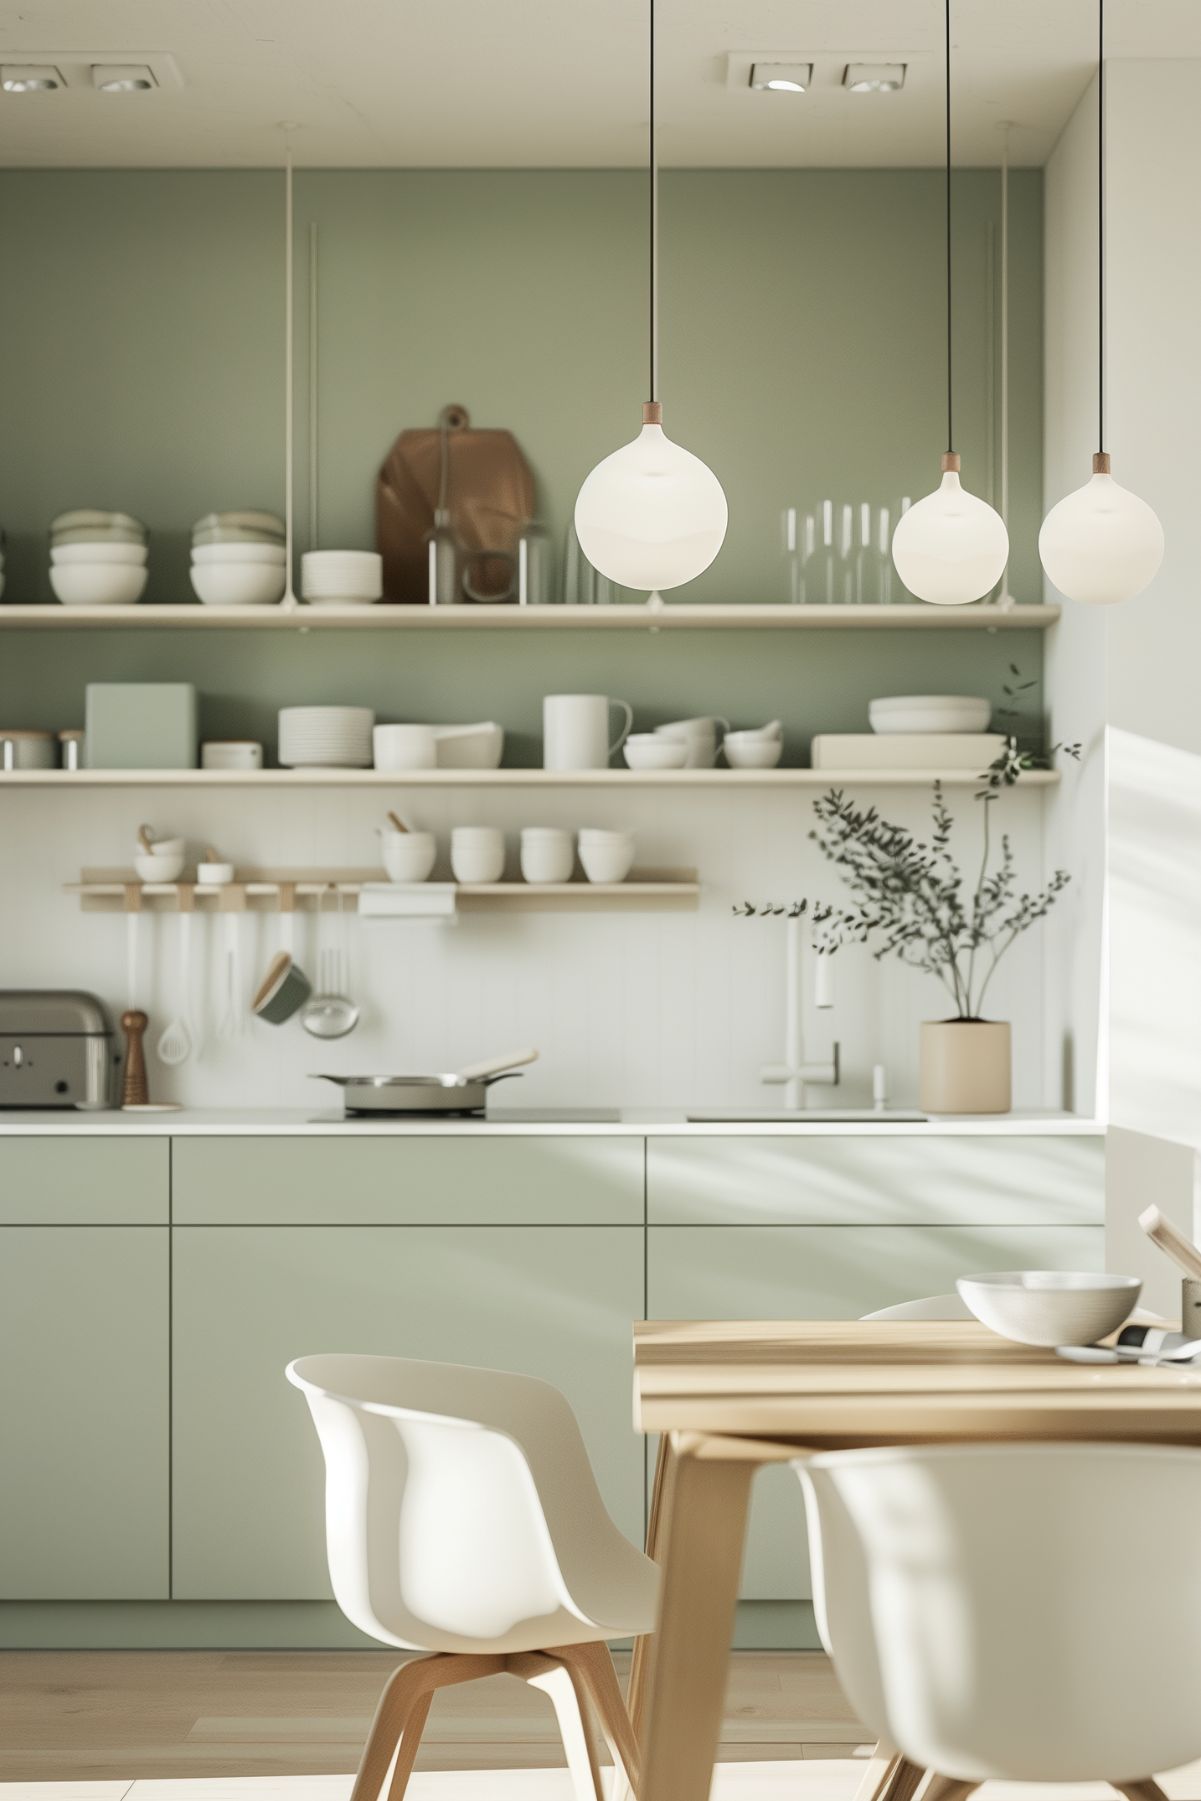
[(655, 750), (930, 713), (752, 750), (408, 856), (68, 556), (98, 584), (238, 584), (1050, 1307)]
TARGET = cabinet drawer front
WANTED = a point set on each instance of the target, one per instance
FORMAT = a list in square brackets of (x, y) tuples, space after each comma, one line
[(408, 1181), (249, 1489), (829, 1272), (76, 1179), (83, 1413), (888, 1181)]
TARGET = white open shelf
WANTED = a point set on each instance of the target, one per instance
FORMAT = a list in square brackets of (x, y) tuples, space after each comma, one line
[(629, 779), (119, 890), (191, 616)]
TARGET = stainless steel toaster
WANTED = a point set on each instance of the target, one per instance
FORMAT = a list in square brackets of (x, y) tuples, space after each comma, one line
[(56, 1050)]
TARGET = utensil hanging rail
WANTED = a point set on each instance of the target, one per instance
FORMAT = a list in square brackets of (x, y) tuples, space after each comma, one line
[(106, 890)]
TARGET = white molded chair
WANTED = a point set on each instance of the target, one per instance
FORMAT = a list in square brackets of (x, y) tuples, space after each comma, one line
[(463, 1520), (983, 1604)]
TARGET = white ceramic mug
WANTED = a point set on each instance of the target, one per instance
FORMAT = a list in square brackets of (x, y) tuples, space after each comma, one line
[(404, 747), (547, 854), (575, 730), (477, 853)]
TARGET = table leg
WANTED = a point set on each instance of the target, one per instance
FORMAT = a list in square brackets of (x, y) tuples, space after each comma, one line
[(640, 1663), (703, 1524)]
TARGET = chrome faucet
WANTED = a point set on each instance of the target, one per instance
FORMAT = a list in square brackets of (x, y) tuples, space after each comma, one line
[(794, 1073)]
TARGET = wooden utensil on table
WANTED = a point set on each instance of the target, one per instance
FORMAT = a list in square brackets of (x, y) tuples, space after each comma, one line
[(1171, 1241), (395, 820)]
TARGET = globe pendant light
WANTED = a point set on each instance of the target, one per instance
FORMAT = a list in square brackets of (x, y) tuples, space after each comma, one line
[(651, 515), (1101, 544), (950, 548)]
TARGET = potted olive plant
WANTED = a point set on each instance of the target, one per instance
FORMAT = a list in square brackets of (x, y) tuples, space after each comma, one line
[(912, 900)]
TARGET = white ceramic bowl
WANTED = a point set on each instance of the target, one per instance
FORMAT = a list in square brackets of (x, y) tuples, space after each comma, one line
[(238, 584), (98, 584), (930, 713), (67, 556), (241, 519), (214, 875), (158, 869), (470, 746), (752, 750), (408, 856), (1050, 1307), (547, 854), (404, 747), (204, 555), (655, 750), (477, 853), (167, 847), (606, 862)]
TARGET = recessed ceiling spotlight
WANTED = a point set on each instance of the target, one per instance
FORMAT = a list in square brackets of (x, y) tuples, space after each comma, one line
[(781, 78), (122, 78), (29, 78), (874, 78)]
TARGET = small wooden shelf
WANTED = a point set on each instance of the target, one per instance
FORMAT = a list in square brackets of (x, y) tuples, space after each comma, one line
[(191, 616), (631, 780), (118, 890)]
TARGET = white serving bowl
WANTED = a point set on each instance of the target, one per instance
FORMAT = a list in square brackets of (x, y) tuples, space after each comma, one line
[(158, 869), (930, 713), (98, 584), (68, 556), (408, 856), (655, 750), (752, 750), (470, 746), (1050, 1307), (606, 861), (207, 554), (238, 584)]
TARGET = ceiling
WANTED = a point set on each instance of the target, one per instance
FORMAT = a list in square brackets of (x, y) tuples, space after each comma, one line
[(559, 83)]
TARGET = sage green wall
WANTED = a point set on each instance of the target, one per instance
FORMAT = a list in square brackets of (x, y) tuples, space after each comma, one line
[(141, 326)]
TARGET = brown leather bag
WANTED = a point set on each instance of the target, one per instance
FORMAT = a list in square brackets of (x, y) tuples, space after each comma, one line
[(490, 496)]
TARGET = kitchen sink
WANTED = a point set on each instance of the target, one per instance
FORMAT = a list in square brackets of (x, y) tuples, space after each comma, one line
[(803, 1116)]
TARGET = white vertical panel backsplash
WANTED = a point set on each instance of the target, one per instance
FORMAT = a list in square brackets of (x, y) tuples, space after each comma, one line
[(628, 1009)]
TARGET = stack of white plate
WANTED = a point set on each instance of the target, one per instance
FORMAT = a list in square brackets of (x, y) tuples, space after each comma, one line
[(238, 559), (341, 578), (325, 737), (97, 559), (930, 713)]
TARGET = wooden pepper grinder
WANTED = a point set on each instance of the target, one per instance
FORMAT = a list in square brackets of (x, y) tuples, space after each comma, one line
[(135, 1086)]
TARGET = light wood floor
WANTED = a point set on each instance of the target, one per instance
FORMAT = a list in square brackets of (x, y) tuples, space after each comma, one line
[(117, 1717)]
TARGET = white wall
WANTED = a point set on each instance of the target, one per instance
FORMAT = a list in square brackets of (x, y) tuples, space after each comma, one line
[(636, 1010)]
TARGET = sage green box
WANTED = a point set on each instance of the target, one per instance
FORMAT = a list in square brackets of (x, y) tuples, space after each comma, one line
[(141, 725)]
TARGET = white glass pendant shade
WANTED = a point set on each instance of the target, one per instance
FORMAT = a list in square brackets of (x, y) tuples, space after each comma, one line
[(1101, 544), (651, 515), (951, 548)]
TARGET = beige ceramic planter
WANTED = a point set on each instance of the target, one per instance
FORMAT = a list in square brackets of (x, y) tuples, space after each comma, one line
[(965, 1065)]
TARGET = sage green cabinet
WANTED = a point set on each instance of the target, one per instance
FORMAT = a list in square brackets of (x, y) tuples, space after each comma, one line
[(433, 1179), (84, 1412), (80, 1179), (828, 1272), (248, 1488)]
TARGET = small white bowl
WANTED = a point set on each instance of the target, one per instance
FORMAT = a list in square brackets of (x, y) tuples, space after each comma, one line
[(654, 750), (606, 862), (408, 856), (67, 556), (752, 750), (238, 584), (547, 854), (214, 875), (158, 869), (1050, 1307), (470, 746), (272, 555), (98, 584)]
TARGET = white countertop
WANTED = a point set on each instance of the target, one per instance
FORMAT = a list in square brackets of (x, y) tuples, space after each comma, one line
[(512, 1123)]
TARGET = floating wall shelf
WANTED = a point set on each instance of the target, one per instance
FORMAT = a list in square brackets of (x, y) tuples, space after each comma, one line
[(629, 779), (191, 616), (118, 890)]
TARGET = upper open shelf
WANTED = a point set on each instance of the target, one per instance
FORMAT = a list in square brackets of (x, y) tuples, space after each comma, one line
[(631, 780), (191, 616)]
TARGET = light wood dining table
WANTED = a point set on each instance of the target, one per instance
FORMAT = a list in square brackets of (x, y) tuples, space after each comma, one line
[(729, 1396)]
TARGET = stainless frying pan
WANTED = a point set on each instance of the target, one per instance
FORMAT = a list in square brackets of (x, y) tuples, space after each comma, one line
[(466, 1091)]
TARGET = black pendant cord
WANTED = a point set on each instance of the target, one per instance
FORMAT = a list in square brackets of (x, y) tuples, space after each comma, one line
[(950, 410), (1101, 227), (653, 209)]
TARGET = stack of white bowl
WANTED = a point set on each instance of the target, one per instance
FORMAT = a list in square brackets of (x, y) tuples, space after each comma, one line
[(97, 559), (238, 559), (325, 737), (761, 748), (341, 578)]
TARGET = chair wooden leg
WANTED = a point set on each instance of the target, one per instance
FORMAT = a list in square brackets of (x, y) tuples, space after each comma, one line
[(406, 1750), (402, 1710), (1140, 1791), (565, 1687), (888, 1776), (594, 1665), (904, 1779), (946, 1788)]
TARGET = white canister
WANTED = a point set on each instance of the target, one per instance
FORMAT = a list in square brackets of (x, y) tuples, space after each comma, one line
[(477, 853), (575, 730), (405, 746), (231, 753), (547, 854)]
